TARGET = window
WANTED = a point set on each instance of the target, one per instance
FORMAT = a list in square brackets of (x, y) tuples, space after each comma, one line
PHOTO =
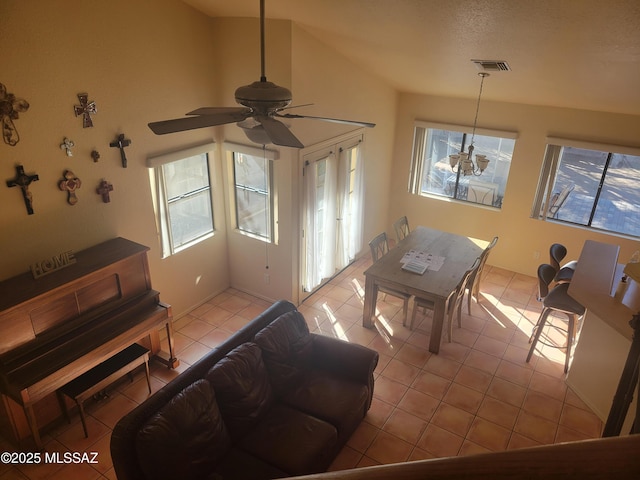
[(431, 172), (252, 176), (182, 198), (590, 185)]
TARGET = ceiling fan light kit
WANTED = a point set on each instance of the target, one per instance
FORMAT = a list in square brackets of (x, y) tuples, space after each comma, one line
[(261, 101)]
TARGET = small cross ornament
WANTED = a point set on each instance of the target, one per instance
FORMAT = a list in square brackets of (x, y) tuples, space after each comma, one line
[(104, 189), (70, 184), (86, 108), (121, 142), (67, 145), (23, 180)]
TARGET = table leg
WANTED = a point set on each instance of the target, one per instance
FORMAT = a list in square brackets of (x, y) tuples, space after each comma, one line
[(436, 327), (370, 299)]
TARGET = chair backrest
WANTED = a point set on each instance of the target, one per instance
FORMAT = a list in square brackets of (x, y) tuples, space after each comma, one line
[(557, 252), (557, 200), (401, 226), (546, 273), (482, 192), (465, 282), (379, 246), (485, 254)]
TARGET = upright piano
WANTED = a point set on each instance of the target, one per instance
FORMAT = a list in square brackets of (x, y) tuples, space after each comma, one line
[(56, 327)]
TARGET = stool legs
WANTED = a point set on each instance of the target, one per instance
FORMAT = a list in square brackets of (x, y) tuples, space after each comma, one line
[(537, 331)]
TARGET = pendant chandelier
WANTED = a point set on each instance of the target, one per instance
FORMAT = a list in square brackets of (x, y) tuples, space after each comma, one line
[(465, 160)]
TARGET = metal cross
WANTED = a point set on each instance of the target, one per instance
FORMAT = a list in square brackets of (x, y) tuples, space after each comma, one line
[(67, 145), (104, 189), (23, 180), (86, 108), (121, 142)]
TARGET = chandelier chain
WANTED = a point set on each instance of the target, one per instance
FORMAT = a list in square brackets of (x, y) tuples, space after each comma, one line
[(475, 120)]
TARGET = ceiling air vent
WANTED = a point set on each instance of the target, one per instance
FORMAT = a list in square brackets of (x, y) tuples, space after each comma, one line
[(492, 65)]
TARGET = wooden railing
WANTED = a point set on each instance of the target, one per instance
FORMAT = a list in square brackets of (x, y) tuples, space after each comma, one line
[(612, 458)]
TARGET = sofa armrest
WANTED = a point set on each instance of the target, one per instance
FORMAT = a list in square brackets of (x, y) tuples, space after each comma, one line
[(343, 359)]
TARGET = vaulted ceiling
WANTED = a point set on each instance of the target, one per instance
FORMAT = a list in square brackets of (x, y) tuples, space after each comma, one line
[(569, 53)]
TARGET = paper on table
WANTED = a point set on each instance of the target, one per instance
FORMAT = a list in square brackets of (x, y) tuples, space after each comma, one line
[(419, 257)]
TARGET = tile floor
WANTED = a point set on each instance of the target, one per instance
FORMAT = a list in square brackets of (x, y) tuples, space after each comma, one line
[(477, 395)]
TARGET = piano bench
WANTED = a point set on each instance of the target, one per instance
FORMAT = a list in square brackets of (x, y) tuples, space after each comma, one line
[(101, 376)]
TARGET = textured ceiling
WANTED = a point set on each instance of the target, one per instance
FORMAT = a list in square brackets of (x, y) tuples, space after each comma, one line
[(569, 53)]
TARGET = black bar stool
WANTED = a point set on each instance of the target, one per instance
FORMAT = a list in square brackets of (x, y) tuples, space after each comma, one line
[(556, 300)]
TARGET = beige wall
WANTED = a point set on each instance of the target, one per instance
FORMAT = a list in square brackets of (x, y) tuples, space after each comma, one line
[(520, 236), (140, 61)]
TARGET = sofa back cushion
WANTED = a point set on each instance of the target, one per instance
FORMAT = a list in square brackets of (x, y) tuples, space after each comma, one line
[(286, 347), (242, 388), (186, 438)]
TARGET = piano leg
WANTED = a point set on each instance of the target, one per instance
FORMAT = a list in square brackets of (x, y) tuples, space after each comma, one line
[(170, 360), (33, 425)]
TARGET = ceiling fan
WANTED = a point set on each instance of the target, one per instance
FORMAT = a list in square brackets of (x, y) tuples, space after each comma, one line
[(262, 102)]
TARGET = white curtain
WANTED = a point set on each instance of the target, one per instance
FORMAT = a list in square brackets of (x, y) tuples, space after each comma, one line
[(320, 178), (351, 206)]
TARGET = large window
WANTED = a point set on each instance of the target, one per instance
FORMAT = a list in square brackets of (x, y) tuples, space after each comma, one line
[(251, 170), (590, 185), (182, 198), (432, 174)]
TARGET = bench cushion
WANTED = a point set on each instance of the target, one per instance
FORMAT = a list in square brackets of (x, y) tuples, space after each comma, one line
[(186, 438)]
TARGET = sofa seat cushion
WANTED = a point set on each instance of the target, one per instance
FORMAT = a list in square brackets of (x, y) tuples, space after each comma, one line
[(240, 465), (287, 349), (186, 438), (339, 402), (242, 387), (292, 441)]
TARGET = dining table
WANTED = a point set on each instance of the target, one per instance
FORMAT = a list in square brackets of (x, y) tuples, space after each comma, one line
[(456, 254)]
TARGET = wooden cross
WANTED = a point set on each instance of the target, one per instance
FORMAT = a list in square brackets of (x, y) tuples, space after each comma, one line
[(23, 180), (121, 142), (86, 108), (70, 184), (67, 145), (104, 189)]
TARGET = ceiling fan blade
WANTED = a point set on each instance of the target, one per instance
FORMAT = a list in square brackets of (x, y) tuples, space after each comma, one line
[(326, 119), (219, 110), (197, 121), (278, 132)]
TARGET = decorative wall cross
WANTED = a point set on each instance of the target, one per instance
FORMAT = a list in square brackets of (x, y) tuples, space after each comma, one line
[(70, 184), (10, 106), (67, 145), (104, 189), (23, 180), (121, 142), (86, 108)]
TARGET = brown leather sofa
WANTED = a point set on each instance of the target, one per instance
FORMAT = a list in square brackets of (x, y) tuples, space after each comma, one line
[(272, 401)]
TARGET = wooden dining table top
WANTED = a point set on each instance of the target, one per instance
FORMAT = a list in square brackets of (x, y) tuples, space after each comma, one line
[(459, 253)]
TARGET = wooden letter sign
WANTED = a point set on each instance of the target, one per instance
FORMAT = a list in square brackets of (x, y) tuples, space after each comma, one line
[(50, 265)]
